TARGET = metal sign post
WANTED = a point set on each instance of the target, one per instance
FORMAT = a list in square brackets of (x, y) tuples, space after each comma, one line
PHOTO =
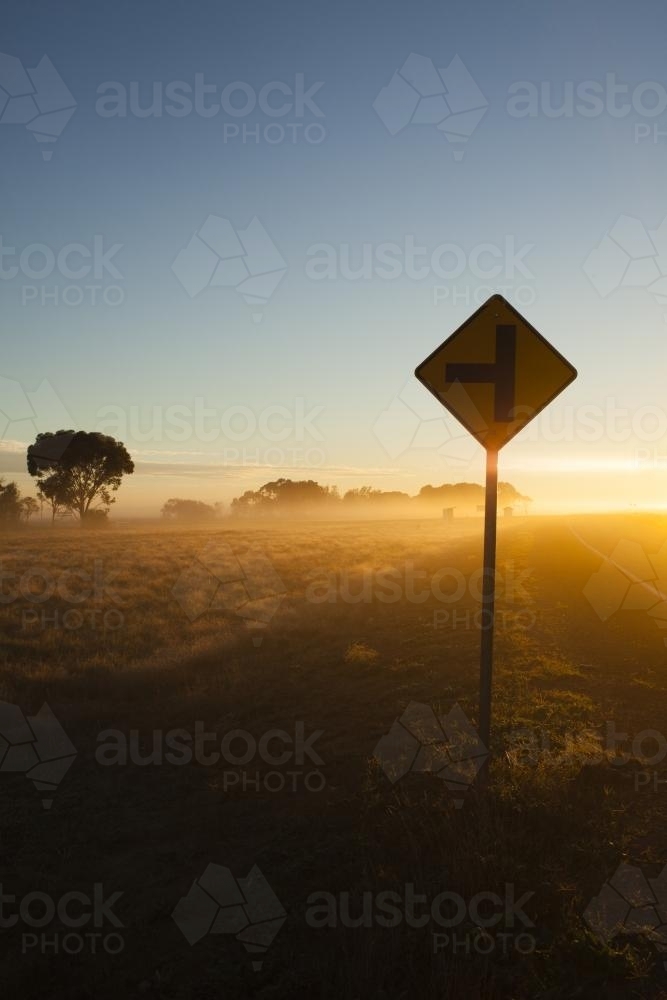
[(494, 374), (488, 597)]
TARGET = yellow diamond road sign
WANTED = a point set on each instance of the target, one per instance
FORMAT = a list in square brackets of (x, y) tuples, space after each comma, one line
[(495, 373)]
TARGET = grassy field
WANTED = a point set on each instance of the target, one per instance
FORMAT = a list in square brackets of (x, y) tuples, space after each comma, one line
[(327, 633)]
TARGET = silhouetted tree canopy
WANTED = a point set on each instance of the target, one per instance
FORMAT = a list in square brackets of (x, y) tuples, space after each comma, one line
[(13, 506), (52, 491), (467, 495), (367, 494), (508, 496), (29, 506), (286, 494), (10, 503), (176, 509), (77, 469)]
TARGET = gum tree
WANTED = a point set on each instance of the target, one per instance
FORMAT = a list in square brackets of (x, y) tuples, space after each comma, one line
[(79, 470)]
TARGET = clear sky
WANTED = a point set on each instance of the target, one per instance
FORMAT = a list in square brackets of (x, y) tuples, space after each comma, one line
[(304, 376)]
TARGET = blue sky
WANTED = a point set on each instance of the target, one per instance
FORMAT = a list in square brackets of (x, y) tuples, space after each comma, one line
[(554, 185)]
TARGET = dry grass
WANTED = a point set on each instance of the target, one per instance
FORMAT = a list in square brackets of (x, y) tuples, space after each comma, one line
[(360, 652), (555, 819)]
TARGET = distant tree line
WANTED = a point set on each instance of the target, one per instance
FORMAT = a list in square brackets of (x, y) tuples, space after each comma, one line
[(176, 509), (290, 497), (79, 472), (295, 498)]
